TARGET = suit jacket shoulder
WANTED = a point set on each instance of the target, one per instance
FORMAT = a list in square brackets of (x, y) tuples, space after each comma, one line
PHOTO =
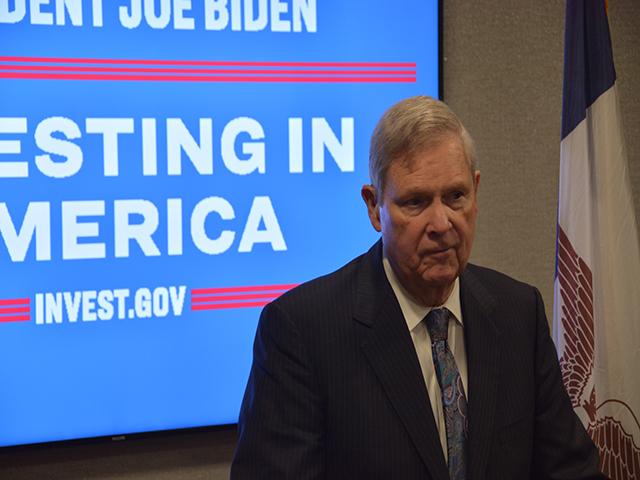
[(498, 286), (335, 290)]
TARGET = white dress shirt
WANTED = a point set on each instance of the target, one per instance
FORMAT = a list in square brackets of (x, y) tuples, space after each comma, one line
[(414, 313)]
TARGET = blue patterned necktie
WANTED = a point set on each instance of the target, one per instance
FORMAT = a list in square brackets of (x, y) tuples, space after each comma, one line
[(454, 402)]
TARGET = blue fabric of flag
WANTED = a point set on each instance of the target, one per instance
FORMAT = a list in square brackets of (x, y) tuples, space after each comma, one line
[(588, 60)]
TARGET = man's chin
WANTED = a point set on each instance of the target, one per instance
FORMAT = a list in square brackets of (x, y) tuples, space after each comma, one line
[(433, 289), (439, 278)]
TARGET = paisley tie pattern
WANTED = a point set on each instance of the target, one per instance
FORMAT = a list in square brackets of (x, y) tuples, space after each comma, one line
[(454, 402)]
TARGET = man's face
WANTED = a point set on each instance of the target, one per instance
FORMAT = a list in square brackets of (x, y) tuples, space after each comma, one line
[(427, 217)]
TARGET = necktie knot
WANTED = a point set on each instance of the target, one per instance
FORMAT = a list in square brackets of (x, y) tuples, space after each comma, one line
[(437, 321)]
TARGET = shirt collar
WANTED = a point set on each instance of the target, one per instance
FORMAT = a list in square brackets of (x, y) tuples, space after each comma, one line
[(413, 312)]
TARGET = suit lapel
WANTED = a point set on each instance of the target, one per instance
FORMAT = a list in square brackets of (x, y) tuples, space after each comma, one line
[(390, 351), (482, 340)]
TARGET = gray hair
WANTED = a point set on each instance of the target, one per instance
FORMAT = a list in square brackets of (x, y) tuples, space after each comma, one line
[(409, 126)]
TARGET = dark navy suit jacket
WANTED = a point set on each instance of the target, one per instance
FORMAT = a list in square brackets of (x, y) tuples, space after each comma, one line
[(336, 390)]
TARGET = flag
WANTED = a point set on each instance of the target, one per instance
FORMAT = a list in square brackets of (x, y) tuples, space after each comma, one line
[(596, 289)]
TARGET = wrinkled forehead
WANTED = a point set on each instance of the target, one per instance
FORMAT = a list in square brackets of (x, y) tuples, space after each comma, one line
[(411, 159)]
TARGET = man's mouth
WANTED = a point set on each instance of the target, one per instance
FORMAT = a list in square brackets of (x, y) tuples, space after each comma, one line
[(438, 252)]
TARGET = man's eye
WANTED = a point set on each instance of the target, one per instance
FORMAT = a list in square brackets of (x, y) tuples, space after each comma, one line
[(413, 202), (456, 195)]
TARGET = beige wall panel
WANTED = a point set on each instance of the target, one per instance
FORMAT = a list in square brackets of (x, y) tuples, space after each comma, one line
[(503, 76)]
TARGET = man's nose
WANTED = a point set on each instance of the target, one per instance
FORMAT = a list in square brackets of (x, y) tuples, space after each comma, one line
[(437, 219)]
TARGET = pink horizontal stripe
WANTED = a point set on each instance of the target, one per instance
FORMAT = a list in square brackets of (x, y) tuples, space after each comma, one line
[(204, 71), (223, 298), (15, 318), (4, 310), (191, 78), (221, 306), (254, 288), (228, 63), (15, 301)]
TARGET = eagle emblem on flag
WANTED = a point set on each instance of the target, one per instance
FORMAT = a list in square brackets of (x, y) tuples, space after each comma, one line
[(619, 455)]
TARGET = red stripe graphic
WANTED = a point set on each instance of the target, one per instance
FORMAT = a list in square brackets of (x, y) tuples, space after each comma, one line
[(15, 301), (191, 78), (213, 71), (15, 318), (237, 71), (257, 288), (226, 63), (10, 306), (218, 298), (220, 306), (4, 310)]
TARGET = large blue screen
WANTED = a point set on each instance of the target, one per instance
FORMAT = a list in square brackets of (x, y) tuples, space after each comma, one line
[(168, 167)]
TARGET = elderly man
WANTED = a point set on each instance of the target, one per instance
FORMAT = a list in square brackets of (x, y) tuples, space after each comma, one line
[(408, 362)]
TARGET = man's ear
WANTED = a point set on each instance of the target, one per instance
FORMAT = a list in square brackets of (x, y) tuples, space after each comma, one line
[(369, 196)]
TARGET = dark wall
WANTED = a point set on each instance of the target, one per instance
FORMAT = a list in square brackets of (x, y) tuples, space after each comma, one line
[(503, 76)]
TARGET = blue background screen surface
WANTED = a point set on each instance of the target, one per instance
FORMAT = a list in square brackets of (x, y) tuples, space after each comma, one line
[(158, 185)]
